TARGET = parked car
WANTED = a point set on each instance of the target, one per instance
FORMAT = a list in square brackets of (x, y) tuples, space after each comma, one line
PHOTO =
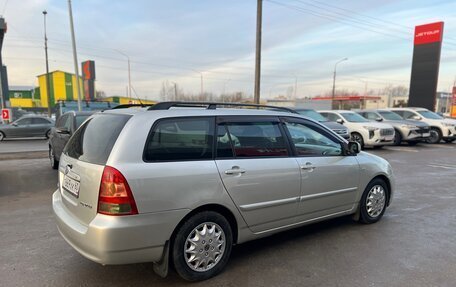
[(64, 128), (441, 128), (410, 131), (363, 131), (335, 127), (182, 185), (27, 126)]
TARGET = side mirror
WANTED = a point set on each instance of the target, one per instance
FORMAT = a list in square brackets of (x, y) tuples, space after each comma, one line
[(63, 131), (354, 148), (379, 119), (299, 140), (340, 121)]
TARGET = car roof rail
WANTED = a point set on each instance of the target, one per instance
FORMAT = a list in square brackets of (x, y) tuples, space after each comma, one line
[(213, 106), (126, 106)]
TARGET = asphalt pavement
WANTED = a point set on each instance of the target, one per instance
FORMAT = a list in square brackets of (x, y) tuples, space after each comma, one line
[(413, 245), (23, 145)]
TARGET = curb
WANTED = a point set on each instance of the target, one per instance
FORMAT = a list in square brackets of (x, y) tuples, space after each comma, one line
[(23, 155)]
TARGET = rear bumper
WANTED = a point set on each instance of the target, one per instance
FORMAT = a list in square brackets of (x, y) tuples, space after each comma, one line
[(117, 239)]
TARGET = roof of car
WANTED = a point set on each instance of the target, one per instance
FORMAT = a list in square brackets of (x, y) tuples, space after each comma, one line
[(408, 108), (191, 111), (336, 111)]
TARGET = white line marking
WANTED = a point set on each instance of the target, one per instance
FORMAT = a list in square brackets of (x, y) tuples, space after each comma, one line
[(402, 149), (442, 166)]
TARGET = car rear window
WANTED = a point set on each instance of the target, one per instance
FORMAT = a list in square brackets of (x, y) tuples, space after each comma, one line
[(80, 120), (93, 142)]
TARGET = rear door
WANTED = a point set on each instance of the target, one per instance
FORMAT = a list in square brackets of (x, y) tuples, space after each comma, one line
[(21, 128), (83, 161), (329, 178), (253, 159)]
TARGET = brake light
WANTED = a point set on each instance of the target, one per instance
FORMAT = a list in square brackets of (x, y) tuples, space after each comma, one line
[(115, 197)]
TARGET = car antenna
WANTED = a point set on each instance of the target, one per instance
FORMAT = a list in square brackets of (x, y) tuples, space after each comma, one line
[(142, 105)]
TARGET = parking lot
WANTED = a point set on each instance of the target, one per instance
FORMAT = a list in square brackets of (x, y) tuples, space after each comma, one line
[(413, 245)]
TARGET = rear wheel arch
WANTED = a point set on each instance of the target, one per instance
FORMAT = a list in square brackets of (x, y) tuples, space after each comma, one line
[(228, 214), (2, 135)]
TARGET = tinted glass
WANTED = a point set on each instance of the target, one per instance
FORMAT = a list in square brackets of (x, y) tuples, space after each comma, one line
[(354, 118), (370, 116), (181, 139), (310, 142), (80, 120), (61, 121), (390, 116), (23, 122), (407, 114), (40, 121), (224, 148), (313, 115), (93, 142), (257, 139), (430, 115)]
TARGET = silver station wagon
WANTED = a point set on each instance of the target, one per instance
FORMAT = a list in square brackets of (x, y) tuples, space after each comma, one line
[(178, 184)]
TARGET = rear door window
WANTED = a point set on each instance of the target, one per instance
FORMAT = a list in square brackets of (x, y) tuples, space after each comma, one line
[(93, 142), (181, 139), (257, 139)]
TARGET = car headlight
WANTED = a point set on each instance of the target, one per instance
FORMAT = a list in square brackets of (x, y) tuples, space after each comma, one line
[(409, 127), (448, 125), (370, 128)]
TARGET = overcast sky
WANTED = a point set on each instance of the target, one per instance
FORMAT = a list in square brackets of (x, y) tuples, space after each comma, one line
[(177, 40)]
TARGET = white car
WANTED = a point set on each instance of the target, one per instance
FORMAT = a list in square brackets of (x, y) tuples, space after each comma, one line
[(441, 128), (363, 131)]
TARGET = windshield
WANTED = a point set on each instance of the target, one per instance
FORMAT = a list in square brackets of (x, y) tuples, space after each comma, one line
[(430, 115), (354, 118), (390, 116), (313, 115)]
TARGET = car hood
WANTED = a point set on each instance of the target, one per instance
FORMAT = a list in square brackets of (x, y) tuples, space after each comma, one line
[(407, 122), (450, 121), (375, 125), (334, 125)]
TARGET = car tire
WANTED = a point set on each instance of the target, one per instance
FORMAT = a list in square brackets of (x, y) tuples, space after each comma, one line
[(412, 143), (189, 241), (397, 138), (48, 134), (436, 136), (54, 162), (358, 138), (2, 136), (374, 201), (377, 146)]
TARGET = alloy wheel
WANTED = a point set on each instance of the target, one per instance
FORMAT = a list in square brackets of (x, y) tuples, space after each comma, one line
[(375, 201)]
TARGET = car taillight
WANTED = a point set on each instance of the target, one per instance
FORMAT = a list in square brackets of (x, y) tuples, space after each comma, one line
[(115, 197)]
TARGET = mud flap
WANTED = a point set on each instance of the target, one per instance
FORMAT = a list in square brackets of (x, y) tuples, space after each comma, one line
[(356, 215), (161, 268)]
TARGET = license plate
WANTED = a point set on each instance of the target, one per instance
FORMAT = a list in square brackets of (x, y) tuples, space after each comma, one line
[(71, 185)]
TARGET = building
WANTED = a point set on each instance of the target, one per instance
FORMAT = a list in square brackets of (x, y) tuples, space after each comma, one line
[(24, 97), (126, 100), (62, 87)]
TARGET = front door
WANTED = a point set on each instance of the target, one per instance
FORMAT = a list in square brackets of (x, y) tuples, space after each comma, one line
[(329, 178), (254, 162)]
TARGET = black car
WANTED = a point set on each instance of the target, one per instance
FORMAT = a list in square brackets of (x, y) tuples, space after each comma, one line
[(65, 126), (336, 127)]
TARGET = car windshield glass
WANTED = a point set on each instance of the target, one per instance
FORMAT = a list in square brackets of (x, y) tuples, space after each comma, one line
[(354, 118), (390, 116), (80, 120), (430, 115), (313, 115)]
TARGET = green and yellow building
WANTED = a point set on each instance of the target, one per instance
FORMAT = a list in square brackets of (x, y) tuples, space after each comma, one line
[(62, 87)]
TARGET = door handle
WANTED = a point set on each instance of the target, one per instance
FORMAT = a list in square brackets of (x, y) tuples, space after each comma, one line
[(308, 166), (235, 170)]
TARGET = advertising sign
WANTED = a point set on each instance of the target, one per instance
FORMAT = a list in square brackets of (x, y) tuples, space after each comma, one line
[(425, 65), (6, 114), (88, 76)]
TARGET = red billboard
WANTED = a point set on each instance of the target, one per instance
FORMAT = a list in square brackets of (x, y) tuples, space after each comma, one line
[(453, 104), (428, 33)]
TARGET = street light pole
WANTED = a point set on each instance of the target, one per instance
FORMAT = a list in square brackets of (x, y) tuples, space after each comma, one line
[(48, 85), (75, 56), (129, 71), (256, 92), (334, 78)]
